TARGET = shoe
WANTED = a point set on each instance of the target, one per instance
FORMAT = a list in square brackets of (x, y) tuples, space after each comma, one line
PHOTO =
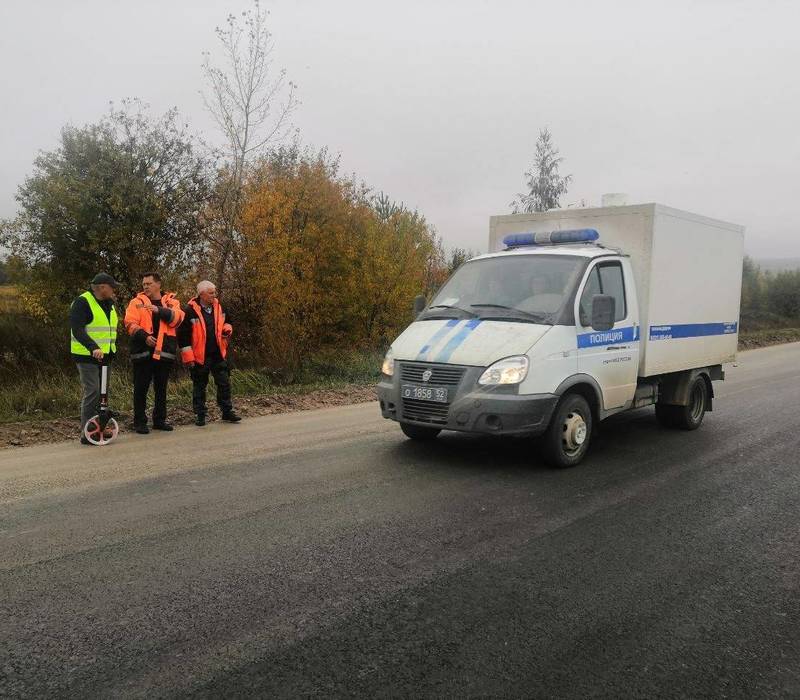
[(162, 426), (200, 420), (141, 429), (231, 417), (85, 441)]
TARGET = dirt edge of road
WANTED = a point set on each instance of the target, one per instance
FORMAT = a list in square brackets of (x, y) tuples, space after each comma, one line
[(764, 339), (25, 433)]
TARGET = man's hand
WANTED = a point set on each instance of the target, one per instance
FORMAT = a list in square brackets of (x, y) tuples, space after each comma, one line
[(190, 365), (97, 354), (151, 341), (152, 308)]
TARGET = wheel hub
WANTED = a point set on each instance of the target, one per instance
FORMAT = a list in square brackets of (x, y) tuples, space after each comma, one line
[(574, 432)]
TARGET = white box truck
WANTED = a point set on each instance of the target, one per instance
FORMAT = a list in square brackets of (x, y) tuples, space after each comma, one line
[(574, 315)]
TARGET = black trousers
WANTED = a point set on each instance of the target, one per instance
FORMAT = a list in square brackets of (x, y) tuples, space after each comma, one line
[(200, 373), (145, 372)]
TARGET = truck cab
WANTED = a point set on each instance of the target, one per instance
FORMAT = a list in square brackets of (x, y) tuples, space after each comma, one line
[(509, 334), (544, 339)]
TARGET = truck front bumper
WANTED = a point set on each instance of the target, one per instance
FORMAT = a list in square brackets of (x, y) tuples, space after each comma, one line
[(490, 411)]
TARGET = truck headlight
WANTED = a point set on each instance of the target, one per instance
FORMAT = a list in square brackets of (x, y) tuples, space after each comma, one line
[(511, 370), (387, 367)]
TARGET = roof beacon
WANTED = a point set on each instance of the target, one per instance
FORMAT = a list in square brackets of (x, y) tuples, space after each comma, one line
[(579, 235)]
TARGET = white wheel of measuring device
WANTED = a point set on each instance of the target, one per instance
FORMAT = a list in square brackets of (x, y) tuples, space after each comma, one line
[(93, 434)]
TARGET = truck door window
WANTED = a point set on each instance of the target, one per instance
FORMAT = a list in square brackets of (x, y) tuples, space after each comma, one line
[(611, 282), (605, 278), (592, 287)]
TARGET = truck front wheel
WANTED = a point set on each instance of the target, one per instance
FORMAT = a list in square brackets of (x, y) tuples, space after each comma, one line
[(419, 432), (567, 438), (687, 417)]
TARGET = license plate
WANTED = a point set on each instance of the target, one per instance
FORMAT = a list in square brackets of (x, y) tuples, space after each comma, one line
[(424, 393)]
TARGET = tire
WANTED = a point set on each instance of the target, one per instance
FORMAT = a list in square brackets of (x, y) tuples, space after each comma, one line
[(419, 432), (688, 417), (567, 438)]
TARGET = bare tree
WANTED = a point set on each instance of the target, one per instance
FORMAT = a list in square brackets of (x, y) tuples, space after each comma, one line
[(252, 104), (545, 185)]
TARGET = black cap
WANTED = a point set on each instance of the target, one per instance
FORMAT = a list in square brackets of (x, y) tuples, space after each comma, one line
[(104, 278)]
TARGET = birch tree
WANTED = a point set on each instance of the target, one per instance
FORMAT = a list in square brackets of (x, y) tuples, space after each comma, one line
[(251, 102)]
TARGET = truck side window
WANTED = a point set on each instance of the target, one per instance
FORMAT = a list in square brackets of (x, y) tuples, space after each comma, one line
[(611, 282), (592, 287)]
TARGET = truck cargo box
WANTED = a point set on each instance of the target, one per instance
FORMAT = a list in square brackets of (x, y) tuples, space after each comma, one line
[(688, 271)]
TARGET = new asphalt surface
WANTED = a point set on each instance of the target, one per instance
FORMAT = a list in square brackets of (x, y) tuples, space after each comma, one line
[(322, 554)]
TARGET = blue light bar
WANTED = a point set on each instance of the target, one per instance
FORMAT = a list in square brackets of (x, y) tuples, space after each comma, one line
[(578, 235)]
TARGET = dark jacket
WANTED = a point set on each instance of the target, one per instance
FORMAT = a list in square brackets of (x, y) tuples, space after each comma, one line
[(80, 316)]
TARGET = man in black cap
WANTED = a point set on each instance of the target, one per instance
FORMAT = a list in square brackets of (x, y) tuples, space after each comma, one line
[(93, 340)]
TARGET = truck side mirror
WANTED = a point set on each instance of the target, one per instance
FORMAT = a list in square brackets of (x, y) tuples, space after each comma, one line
[(603, 312), (420, 302)]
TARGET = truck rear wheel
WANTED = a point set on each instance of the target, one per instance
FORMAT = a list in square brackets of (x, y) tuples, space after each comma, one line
[(687, 417), (567, 438), (419, 432)]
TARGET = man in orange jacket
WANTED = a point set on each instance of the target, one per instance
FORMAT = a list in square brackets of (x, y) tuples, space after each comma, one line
[(152, 320), (203, 337)]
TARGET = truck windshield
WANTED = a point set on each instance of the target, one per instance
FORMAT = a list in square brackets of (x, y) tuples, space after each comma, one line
[(524, 288)]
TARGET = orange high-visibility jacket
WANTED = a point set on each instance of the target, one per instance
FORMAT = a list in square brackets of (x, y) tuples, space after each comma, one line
[(196, 352), (137, 318)]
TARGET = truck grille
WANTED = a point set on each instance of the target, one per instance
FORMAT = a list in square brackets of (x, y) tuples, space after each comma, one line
[(443, 375), (425, 411)]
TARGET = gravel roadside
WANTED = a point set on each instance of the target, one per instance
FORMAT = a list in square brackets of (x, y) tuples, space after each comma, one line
[(25, 433)]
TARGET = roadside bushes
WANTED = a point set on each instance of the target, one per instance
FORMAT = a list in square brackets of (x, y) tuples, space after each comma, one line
[(769, 300)]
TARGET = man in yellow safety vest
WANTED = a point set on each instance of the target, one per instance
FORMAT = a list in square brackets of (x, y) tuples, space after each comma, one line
[(93, 339)]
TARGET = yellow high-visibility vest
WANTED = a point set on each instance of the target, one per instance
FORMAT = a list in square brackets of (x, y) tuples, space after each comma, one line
[(101, 329)]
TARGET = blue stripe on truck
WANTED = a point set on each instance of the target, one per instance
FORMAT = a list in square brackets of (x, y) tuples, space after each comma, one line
[(457, 339), (441, 333), (595, 339), (692, 330)]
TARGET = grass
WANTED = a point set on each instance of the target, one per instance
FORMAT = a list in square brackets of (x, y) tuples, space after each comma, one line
[(56, 394)]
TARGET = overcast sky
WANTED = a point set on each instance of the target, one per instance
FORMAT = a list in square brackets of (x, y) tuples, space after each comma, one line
[(692, 104)]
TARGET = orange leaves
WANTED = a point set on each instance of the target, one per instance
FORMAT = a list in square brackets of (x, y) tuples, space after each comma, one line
[(328, 271)]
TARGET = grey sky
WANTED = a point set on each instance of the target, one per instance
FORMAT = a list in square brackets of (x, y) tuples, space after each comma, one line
[(692, 104)]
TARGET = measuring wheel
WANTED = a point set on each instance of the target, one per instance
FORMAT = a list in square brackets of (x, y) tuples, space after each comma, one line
[(102, 428)]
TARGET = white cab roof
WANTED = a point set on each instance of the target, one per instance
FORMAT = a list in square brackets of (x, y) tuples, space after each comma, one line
[(581, 250)]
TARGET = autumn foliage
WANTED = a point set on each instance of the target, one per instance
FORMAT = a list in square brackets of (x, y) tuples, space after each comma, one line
[(321, 266)]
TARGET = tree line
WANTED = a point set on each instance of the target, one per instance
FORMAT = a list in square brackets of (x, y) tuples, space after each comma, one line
[(315, 260), (307, 257), (769, 300)]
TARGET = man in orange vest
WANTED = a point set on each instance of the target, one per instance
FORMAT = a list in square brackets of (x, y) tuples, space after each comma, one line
[(152, 320), (204, 336)]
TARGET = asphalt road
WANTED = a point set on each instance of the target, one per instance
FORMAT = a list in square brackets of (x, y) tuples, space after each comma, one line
[(321, 553)]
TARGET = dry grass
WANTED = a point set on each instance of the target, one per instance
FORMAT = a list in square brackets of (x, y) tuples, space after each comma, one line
[(56, 393)]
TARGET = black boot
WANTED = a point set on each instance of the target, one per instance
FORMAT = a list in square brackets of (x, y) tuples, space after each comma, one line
[(200, 420), (231, 417), (162, 426)]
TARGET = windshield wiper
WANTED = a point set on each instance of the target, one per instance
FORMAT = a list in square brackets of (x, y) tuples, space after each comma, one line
[(457, 308), (539, 317)]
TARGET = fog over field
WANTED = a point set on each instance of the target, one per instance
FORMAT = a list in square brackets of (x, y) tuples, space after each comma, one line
[(692, 104)]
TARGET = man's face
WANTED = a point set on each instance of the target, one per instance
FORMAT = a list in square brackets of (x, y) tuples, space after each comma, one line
[(207, 296), (105, 291), (151, 288)]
